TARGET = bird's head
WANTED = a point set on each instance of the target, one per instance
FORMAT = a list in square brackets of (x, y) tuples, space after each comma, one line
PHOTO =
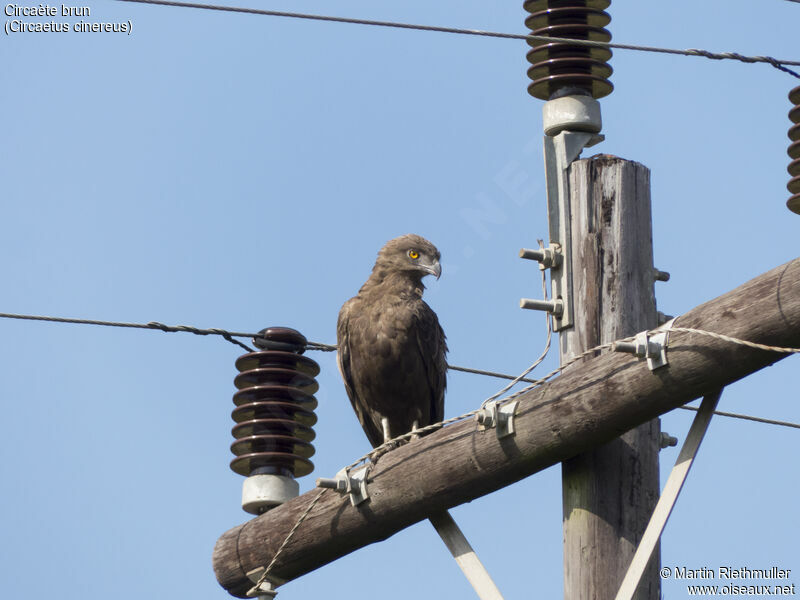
[(410, 254)]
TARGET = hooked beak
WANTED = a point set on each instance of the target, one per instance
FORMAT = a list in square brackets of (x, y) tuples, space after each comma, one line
[(434, 269)]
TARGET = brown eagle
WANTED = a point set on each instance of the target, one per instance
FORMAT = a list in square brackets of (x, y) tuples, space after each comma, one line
[(391, 346)]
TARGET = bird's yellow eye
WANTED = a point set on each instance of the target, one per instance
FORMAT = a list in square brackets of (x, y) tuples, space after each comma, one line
[(413, 254)]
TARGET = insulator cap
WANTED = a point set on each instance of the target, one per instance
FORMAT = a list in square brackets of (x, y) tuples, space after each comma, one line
[(571, 113), (281, 338), (562, 69), (263, 491), (793, 186)]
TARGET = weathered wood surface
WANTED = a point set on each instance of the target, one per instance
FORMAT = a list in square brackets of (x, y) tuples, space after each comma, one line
[(581, 409), (610, 491)]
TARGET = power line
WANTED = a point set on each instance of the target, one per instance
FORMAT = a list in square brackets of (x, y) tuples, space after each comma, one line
[(229, 335), (748, 417), (777, 63), (491, 374)]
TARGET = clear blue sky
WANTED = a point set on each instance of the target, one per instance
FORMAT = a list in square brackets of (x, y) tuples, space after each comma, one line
[(236, 171)]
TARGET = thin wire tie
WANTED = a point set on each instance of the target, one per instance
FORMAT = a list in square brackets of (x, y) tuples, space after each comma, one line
[(265, 574), (538, 361)]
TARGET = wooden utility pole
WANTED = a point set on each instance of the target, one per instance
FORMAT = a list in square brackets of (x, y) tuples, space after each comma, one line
[(610, 491), (589, 405)]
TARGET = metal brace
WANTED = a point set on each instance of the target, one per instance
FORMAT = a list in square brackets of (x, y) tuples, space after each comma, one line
[(559, 152), (652, 347), (501, 417), (354, 484), (571, 123)]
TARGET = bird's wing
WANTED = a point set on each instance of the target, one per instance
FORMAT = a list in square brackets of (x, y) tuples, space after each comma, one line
[(343, 348), (344, 360), (433, 349)]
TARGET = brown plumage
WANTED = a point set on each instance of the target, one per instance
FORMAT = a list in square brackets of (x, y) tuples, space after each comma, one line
[(391, 346)]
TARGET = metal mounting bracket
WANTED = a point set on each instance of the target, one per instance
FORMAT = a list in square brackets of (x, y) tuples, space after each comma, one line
[(652, 347), (559, 152), (261, 591), (500, 417), (354, 484)]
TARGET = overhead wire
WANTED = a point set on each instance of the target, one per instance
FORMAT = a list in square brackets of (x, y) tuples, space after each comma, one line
[(490, 373), (228, 335), (776, 63), (747, 417), (224, 333), (318, 346)]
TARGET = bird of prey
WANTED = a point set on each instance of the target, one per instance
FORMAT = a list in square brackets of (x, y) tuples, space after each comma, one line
[(391, 346)]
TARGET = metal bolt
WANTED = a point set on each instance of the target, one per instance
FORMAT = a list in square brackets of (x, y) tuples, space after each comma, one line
[(339, 485), (552, 306), (667, 440), (628, 347), (548, 258), (485, 418), (660, 275), (355, 485), (537, 255)]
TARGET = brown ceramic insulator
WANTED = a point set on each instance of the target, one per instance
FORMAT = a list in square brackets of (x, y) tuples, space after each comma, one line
[(794, 117), (275, 404), (568, 15), (794, 204), (794, 167), (273, 427), (278, 360), (534, 6), (284, 452), (794, 98), (551, 76), (273, 410), (271, 377), (560, 68), (794, 152), (279, 462), (275, 393), (794, 149), (794, 131)]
